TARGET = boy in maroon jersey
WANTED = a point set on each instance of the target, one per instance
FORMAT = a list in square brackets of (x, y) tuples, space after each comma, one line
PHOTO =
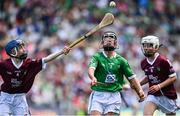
[(18, 74), (160, 75)]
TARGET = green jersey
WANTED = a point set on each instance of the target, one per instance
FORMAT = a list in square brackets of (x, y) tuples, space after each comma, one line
[(111, 71)]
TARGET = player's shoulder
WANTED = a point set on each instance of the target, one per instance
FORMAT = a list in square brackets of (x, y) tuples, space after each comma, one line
[(6, 61), (143, 61), (98, 54), (120, 57), (30, 60), (163, 58)]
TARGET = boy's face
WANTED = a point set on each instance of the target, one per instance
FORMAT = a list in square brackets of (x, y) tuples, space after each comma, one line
[(109, 42), (149, 49), (20, 51)]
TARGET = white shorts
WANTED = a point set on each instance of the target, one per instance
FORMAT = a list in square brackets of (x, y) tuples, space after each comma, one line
[(164, 104), (104, 102), (13, 104)]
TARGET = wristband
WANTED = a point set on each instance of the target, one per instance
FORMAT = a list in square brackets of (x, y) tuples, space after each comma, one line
[(159, 86)]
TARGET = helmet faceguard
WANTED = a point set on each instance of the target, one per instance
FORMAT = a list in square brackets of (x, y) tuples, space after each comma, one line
[(13, 47), (108, 36), (149, 45)]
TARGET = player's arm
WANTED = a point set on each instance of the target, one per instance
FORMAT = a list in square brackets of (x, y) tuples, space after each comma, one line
[(167, 82), (92, 66), (91, 76), (172, 74), (57, 54), (137, 87), (144, 81), (132, 79)]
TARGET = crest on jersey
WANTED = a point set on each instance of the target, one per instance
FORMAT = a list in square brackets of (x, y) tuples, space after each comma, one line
[(110, 78), (158, 69)]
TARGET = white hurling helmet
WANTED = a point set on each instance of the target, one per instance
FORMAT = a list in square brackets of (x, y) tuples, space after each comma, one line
[(153, 40)]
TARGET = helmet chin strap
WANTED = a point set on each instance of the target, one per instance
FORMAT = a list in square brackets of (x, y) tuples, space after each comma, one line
[(21, 57)]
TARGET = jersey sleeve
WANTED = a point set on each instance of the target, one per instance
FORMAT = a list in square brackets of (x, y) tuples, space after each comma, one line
[(93, 62), (43, 64), (169, 68), (37, 64), (128, 72)]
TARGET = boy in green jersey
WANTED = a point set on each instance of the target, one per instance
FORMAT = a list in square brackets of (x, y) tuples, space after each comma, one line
[(106, 71)]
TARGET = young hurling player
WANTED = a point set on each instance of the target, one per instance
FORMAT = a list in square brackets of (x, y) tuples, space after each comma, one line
[(160, 75), (106, 71), (18, 74)]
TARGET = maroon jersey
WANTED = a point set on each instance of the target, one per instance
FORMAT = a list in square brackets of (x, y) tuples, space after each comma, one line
[(157, 72), (19, 80)]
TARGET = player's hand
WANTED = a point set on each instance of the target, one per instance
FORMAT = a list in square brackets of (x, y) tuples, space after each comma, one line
[(93, 81), (141, 96), (154, 89), (66, 50)]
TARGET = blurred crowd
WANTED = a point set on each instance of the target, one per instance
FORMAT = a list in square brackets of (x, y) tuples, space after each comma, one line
[(48, 25)]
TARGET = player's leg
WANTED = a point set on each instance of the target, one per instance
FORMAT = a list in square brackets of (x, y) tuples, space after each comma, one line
[(112, 114), (112, 110), (21, 111), (5, 109), (149, 108), (20, 106), (94, 106), (95, 113), (113, 105), (6, 101), (167, 106)]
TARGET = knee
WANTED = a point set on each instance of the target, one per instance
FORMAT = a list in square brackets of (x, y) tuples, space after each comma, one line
[(148, 113)]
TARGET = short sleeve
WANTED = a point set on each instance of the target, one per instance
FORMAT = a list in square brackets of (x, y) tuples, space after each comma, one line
[(43, 64), (93, 62), (169, 68), (127, 70), (37, 64)]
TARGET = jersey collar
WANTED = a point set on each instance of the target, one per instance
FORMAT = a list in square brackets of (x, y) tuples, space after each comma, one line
[(156, 55), (110, 57), (17, 65)]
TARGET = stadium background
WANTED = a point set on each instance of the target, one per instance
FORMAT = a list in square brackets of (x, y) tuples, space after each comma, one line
[(47, 25)]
